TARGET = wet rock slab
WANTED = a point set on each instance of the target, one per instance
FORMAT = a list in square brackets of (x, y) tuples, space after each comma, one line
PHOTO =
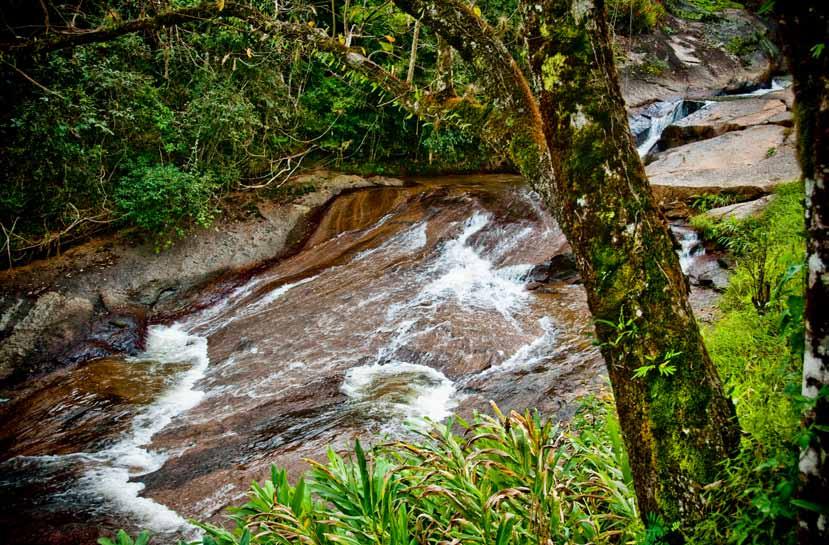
[(742, 210)]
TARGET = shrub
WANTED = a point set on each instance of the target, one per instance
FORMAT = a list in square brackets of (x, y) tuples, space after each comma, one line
[(630, 17), (759, 358), (503, 479), (164, 201)]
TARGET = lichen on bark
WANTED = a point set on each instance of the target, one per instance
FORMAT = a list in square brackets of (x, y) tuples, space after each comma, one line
[(802, 27)]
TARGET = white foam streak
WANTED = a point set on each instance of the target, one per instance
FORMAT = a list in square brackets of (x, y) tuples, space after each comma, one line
[(690, 247), (658, 125), (410, 240), (472, 280), (214, 319), (530, 354), (109, 476)]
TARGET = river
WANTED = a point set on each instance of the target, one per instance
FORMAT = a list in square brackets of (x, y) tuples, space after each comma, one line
[(404, 304)]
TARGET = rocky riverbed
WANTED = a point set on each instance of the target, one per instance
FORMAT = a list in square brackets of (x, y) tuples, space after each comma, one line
[(140, 388)]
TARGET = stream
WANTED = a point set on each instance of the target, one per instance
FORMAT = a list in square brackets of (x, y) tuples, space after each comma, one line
[(405, 304)]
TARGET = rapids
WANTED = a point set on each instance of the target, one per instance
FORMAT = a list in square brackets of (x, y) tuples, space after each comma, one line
[(404, 304)]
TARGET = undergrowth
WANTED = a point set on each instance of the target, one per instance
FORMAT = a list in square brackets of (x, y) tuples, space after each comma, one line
[(500, 479), (756, 345)]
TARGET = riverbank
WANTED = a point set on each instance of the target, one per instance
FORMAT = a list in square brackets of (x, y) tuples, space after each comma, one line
[(96, 299)]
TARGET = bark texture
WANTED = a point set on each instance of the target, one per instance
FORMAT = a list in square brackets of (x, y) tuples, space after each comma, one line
[(413, 54), (444, 85), (677, 426), (804, 25), (677, 423)]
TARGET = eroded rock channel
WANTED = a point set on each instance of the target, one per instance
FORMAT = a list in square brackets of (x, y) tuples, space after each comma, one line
[(398, 302), (404, 303)]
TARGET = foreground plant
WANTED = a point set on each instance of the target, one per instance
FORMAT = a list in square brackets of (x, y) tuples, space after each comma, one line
[(502, 479)]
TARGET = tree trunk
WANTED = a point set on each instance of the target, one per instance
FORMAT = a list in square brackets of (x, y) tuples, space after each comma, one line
[(803, 26), (444, 77), (677, 423)]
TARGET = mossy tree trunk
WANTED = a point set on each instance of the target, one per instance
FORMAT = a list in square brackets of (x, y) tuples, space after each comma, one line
[(804, 29), (444, 85), (677, 423)]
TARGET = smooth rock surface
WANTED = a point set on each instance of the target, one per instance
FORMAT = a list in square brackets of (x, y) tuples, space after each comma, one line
[(758, 157), (691, 61), (720, 117), (741, 210), (94, 289)]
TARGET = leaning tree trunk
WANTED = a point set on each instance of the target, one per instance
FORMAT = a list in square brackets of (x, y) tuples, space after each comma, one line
[(804, 29), (577, 153), (677, 423)]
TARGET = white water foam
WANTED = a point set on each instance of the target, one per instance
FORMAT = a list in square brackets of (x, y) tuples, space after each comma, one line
[(777, 84), (690, 247), (400, 389), (392, 389), (658, 125), (464, 275), (114, 466), (410, 240), (211, 320), (529, 354)]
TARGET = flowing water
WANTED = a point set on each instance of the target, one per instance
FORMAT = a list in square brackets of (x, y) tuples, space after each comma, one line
[(404, 304)]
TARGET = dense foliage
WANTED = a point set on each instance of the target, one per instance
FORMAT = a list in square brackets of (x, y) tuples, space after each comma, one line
[(757, 345), (224, 106), (502, 479), (85, 130)]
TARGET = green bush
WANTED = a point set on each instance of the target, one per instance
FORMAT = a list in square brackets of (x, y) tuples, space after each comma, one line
[(164, 201), (504, 480), (630, 17)]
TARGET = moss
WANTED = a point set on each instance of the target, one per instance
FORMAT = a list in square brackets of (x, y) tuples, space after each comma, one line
[(552, 69)]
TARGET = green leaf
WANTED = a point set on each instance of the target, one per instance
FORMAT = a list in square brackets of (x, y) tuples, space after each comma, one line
[(811, 506)]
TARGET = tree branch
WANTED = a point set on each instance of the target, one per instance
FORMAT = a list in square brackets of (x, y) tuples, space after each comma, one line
[(503, 128)]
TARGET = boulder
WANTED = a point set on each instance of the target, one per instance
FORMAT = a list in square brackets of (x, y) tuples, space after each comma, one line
[(717, 118), (747, 163), (786, 95), (691, 59), (741, 210), (54, 322), (561, 268), (707, 271)]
